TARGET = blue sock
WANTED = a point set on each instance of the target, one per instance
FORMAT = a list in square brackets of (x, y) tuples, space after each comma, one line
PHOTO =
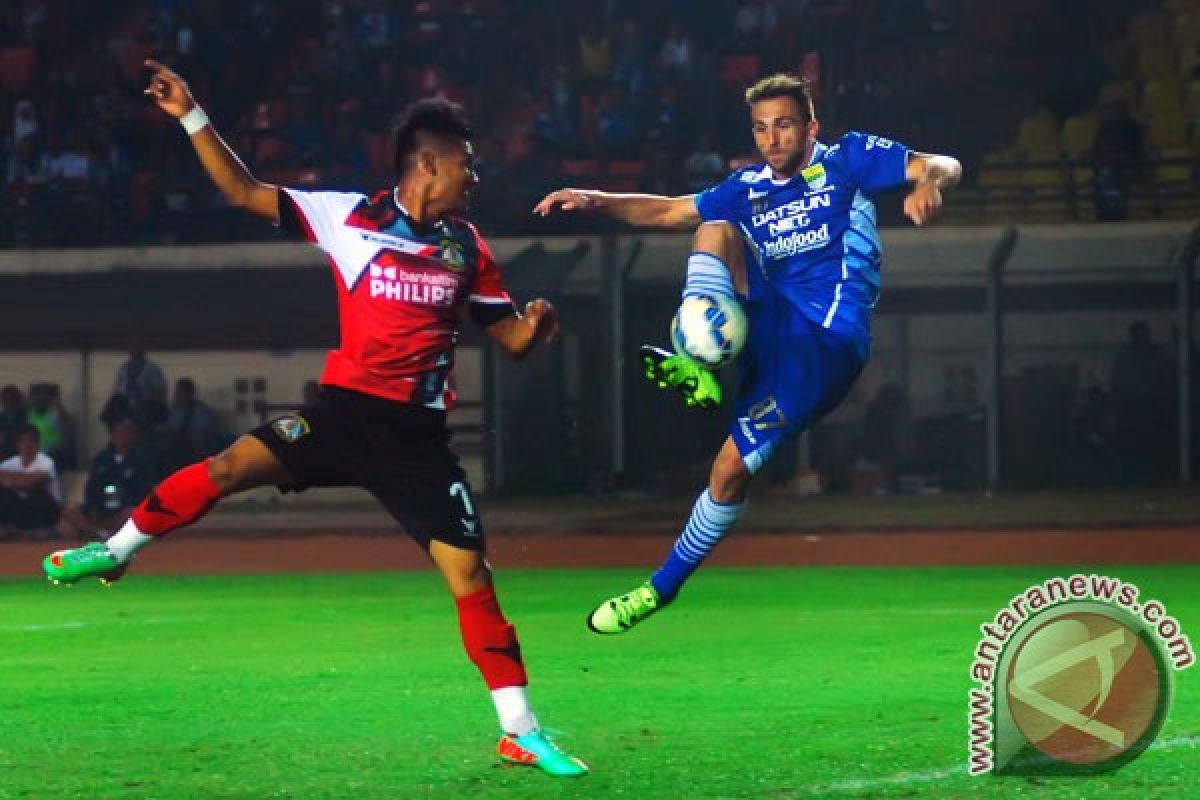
[(707, 275), (708, 523)]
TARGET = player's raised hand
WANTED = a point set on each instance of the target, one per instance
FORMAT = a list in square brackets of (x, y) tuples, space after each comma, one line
[(543, 317), (923, 203), (568, 200), (168, 89)]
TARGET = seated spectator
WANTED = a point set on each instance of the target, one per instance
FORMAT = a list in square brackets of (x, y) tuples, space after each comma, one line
[(120, 477), (47, 414), (30, 497), (12, 419), (193, 431), (756, 20), (678, 52), (595, 52)]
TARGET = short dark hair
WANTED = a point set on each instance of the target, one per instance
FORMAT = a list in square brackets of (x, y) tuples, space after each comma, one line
[(30, 430), (434, 115), (784, 84)]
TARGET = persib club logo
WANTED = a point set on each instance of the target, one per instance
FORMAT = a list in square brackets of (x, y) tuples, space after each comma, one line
[(814, 176)]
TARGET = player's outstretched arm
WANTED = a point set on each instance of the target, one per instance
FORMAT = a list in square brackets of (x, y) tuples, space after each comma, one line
[(644, 210), (517, 334), (929, 172), (227, 171)]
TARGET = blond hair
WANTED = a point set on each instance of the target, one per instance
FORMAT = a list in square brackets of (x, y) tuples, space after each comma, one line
[(784, 84)]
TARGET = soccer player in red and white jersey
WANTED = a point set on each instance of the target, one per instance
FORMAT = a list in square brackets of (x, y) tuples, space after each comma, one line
[(405, 263)]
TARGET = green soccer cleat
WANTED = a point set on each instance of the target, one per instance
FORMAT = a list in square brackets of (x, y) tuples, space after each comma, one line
[(92, 560), (620, 613), (535, 749), (667, 370)]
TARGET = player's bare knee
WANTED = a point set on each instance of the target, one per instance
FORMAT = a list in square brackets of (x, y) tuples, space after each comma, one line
[(465, 571), (718, 228), (479, 572), (718, 238), (221, 471), (732, 490), (467, 579), (229, 469), (729, 480)]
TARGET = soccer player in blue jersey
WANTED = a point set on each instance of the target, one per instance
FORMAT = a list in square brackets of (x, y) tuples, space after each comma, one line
[(795, 240)]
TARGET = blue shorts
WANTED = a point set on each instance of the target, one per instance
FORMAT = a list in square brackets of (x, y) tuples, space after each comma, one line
[(793, 372)]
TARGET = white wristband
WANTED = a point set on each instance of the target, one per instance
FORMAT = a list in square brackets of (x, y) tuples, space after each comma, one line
[(194, 121)]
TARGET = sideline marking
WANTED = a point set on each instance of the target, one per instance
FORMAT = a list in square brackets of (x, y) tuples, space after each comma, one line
[(909, 778)]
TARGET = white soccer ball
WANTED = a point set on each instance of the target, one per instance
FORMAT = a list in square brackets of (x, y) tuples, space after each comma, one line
[(710, 329)]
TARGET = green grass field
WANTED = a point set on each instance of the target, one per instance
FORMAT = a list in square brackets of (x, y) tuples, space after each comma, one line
[(760, 683)]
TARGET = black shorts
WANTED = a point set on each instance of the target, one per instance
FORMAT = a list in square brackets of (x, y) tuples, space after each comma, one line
[(398, 452)]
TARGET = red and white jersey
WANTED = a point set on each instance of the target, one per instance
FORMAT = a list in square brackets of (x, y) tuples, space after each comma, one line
[(400, 290)]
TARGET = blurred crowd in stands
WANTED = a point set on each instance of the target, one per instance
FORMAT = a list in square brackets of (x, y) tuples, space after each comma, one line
[(618, 93), (149, 436)]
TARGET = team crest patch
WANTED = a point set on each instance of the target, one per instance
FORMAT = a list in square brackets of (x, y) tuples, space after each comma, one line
[(452, 254), (291, 428), (814, 176)]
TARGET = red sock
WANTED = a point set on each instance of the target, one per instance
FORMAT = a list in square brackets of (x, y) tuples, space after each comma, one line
[(490, 641), (181, 499)]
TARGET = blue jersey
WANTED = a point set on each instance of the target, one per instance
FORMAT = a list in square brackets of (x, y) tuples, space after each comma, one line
[(813, 238)]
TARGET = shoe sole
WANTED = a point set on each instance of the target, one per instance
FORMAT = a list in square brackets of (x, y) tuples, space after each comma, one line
[(107, 579), (508, 762), (652, 359)]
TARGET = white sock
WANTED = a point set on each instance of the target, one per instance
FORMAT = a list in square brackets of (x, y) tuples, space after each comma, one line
[(127, 541), (512, 707)]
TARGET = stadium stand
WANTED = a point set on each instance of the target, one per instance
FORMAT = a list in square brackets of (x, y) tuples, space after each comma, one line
[(304, 91)]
